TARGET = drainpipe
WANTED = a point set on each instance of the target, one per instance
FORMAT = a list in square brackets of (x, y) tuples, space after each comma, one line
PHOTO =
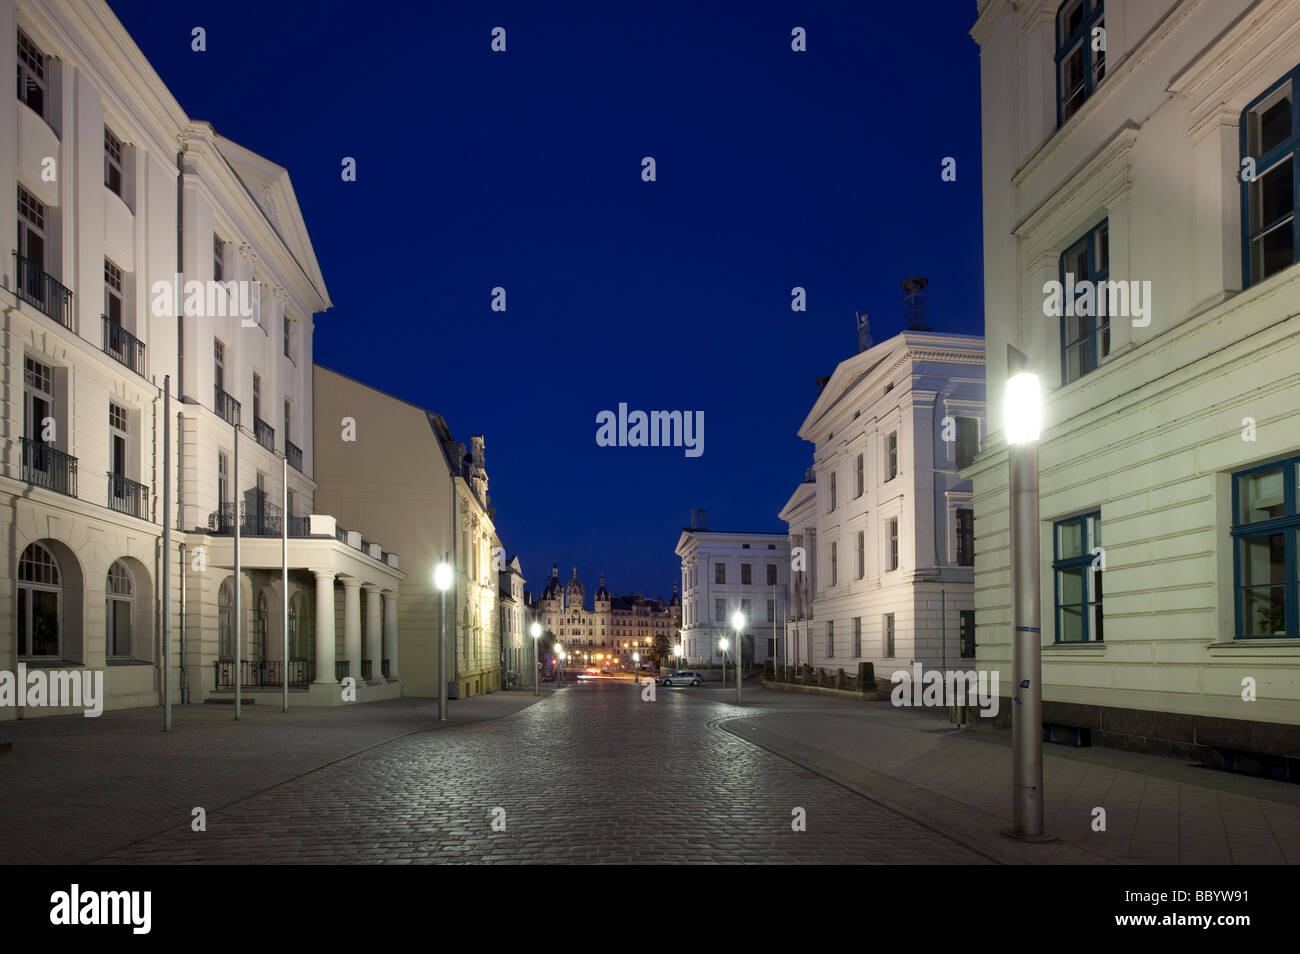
[(455, 593), (185, 681), (180, 270)]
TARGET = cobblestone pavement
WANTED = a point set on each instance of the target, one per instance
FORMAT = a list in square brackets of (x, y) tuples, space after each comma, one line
[(591, 774)]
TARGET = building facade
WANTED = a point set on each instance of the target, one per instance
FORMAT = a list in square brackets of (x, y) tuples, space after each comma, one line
[(431, 499), (516, 642), (613, 628), (881, 528), (1162, 165), (728, 571), (149, 250)]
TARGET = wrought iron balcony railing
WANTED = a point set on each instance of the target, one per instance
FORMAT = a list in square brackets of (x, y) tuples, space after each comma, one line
[(264, 433), (263, 673), (127, 496), (122, 346), (341, 669), (40, 288), (227, 408), (49, 468), (384, 668), (366, 669), (294, 453)]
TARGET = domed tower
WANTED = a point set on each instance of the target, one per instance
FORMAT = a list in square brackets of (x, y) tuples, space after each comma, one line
[(602, 597), (575, 597)]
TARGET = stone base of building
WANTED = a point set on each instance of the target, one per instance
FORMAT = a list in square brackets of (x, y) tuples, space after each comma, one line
[(477, 683), (867, 696), (1210, 740), (317, 695)]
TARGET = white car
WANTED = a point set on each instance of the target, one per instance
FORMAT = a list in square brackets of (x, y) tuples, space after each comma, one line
[(681, 679)]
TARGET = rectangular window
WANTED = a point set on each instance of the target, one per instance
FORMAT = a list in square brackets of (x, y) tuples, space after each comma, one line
[(835, 564), (1270, 135), (719, 611), (771, 611), (31, 243), (719, 573), (112, 161), (218, 258), (891, 456), (1077, 568), (1266, 539), (862, 554), (1080, 58), (857, 637), (860, 484), (288, 414), (223, 478), (888, 634), (746, 573), (257, 396), (745, 607), (967, 443), (891, 563), (830, 638), (118, 431), (219, 364), (288, 326), (966, 634), (31, 75), (112, 292), (1085, 322), (965, 537), (833, 494), (771, 574)]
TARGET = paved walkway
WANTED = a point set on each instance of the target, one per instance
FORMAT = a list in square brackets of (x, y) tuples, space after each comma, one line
[(1157, 810)]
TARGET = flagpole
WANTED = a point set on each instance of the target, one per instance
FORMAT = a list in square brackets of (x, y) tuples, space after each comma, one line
[(167, 554), (239, 675), (284, 568)]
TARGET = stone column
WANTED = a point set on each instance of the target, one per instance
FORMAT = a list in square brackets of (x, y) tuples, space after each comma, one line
[(325, 627), (390, 632), (352, 626), (374, 649)]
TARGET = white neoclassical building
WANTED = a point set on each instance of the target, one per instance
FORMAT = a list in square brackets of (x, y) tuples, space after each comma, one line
[(728, 571), (118, 200), (881, 529), (1162, 161)]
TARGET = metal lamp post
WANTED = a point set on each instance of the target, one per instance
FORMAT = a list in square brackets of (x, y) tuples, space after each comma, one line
[(1023, 412), (536, 631), (722, 645), (738, 623), (559, 666), (442, 580)]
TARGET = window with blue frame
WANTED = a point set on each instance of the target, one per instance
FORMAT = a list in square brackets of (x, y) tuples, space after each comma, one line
[(1265, 528), (1080, 54), (1270, 137), (1077, 570), (1085, 324)]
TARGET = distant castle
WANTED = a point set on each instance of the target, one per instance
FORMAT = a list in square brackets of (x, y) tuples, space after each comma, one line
[(620, 623)]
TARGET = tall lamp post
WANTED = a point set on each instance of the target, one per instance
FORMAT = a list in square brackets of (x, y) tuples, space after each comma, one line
[(536, 631), (442, 580), (559, 666), (738, 624), (1023, 410), (722, 644)]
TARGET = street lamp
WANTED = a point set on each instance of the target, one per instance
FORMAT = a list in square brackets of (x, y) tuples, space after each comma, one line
[(442, 580), (536, 632), (722, 644), (1023, 420), (636, 667), (738, 624), (559, 665)]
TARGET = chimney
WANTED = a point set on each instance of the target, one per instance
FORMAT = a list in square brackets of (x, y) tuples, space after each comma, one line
[(692, 519), (864, 333), (704, 525), (914, 304)]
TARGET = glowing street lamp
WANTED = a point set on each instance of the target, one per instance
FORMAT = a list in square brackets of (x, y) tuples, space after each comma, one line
[(1023, 421), (442, 580), (738, 624)]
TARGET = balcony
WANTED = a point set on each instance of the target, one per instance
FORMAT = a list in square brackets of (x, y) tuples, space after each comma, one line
[(122, 346), (38, 287), (227, 408), (258, 517), (128, 497), (264, 433), (49, 468), (294, 453), (262, 673)]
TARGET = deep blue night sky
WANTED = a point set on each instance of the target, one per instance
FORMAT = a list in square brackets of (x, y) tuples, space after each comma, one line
[(523, 169)]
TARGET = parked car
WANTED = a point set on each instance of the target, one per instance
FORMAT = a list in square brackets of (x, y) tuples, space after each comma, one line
[(681, 679)]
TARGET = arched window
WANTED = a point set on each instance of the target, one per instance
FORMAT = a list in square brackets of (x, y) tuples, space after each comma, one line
[(295, 642), (40, 603), (119, 609), (225, 620), (257, 650)]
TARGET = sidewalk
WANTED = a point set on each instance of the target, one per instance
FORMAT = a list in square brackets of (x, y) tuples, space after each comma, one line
[(77, 788), (1158, 810)]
